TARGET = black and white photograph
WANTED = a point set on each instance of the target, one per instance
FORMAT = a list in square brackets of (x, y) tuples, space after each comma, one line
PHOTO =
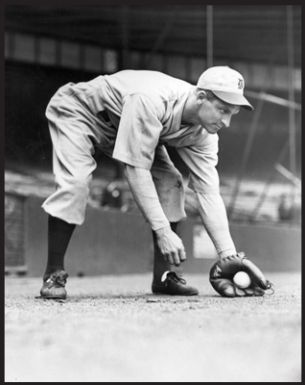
[(152, 191)]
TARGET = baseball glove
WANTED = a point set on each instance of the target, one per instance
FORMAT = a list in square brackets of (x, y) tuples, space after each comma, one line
[(223, 271)]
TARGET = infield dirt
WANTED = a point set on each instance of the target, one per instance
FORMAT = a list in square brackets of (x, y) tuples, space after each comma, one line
[(111, 328)]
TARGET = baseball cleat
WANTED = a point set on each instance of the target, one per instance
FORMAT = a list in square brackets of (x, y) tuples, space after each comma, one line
[(172, 284), (54, 285)]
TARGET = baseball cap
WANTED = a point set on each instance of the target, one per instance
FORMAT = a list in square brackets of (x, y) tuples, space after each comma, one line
[(226, 83)]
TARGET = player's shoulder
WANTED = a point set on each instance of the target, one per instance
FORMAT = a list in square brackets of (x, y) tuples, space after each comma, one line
[(149, 80)]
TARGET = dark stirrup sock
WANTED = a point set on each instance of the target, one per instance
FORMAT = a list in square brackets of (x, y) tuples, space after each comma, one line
[(160, 265), (59, 235)]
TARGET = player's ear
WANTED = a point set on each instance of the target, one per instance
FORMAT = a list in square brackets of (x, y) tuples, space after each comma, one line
[(201, 95)]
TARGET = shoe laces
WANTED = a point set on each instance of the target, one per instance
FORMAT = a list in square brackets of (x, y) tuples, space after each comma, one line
[(60, 278), (172, 275)]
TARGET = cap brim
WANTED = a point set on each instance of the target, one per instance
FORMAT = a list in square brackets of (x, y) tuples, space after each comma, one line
[(235, 99)]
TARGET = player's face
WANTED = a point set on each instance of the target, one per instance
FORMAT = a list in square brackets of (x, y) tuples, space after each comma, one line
[(213, 114)]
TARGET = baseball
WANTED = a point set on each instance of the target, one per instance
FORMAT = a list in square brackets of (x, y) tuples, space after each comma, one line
[(242, 280)]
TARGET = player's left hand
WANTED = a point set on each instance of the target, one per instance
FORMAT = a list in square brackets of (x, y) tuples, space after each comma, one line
[(223, 271)]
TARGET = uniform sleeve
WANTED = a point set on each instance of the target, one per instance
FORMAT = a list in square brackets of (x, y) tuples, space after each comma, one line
[(214, 217), (202, 160), (204, 180), (139, 131)]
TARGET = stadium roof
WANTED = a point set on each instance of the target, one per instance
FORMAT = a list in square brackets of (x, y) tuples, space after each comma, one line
[(249, 33)]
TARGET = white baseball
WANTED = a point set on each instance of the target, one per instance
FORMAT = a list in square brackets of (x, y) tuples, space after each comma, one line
[(242, 280)]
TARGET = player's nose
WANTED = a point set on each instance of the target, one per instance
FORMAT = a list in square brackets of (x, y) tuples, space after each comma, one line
[(226, 121)]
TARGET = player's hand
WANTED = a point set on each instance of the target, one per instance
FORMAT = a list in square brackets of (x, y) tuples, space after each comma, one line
[(223, 271), (170, 245)]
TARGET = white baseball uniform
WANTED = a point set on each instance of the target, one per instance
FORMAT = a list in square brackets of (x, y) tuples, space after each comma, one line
[(130, 116)]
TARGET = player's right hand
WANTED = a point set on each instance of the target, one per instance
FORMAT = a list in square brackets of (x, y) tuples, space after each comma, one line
[(170, 245)]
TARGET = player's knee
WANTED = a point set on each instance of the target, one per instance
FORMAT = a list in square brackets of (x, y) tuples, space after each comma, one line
[(175, 182), (174, 179), (80, 187)]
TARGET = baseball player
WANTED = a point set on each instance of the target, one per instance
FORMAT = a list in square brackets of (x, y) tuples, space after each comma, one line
[(132, 116)]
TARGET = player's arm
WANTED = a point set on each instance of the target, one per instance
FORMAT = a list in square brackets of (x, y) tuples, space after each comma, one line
[(137, 139), (214, 217), (204, 181), (145, 194)]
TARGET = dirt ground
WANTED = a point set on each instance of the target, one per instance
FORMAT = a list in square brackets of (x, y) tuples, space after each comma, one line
[(111, 328)]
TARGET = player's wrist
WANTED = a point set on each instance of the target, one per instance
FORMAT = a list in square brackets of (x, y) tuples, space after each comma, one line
[(227, 253), (160, 232)]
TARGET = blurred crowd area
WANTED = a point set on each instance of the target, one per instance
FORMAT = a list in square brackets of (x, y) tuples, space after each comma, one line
[(257, 201)]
